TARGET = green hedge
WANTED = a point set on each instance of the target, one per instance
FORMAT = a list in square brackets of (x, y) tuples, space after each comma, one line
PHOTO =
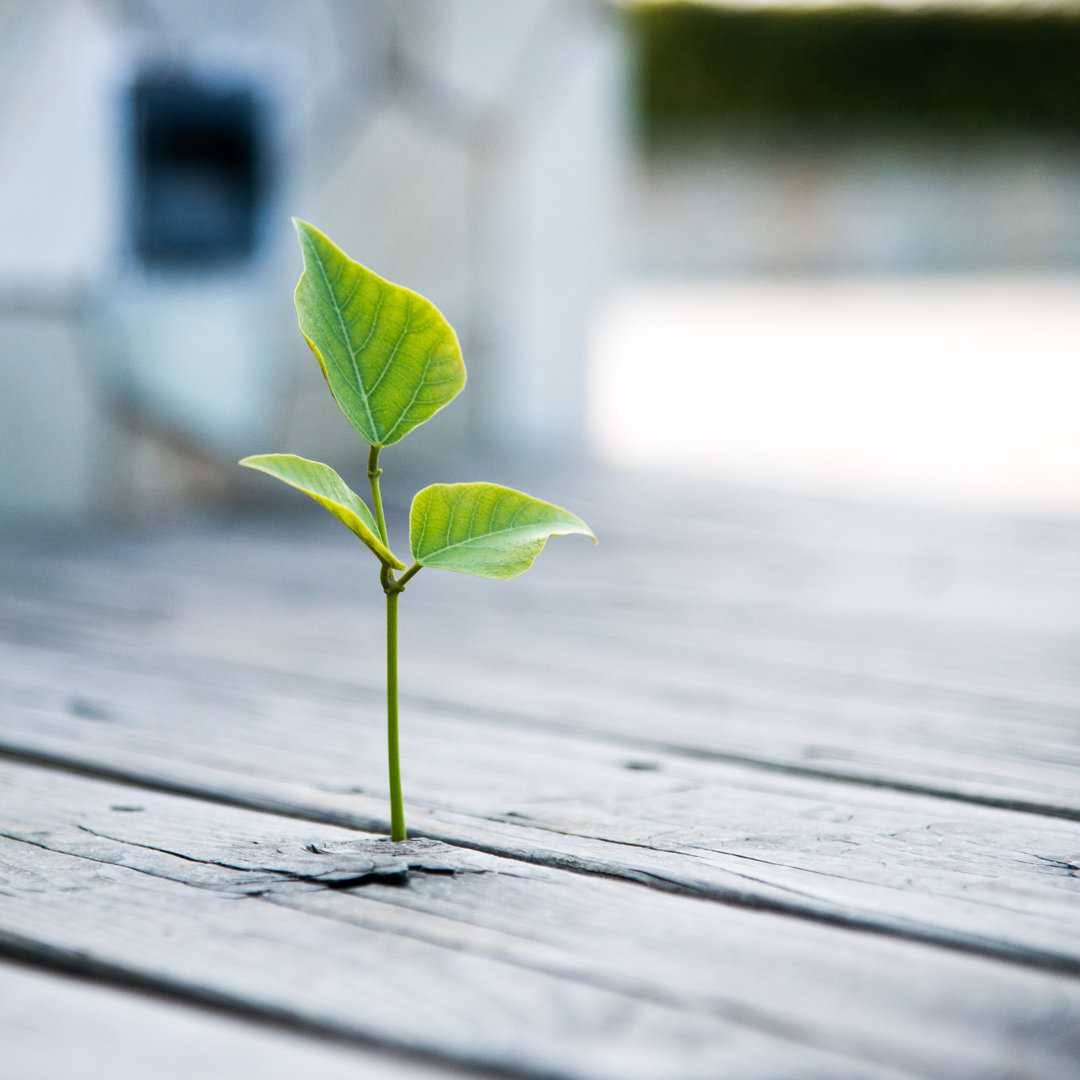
[(939, 70)]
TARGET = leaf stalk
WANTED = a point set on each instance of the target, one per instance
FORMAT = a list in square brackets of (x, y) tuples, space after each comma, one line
[(409, 575)]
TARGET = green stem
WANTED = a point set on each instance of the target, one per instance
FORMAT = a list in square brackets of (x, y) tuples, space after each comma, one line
[(393, 589), (397, 809), (374, 472), (408, 575)]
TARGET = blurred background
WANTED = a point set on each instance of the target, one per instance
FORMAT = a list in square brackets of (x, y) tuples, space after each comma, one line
[(826, 248)]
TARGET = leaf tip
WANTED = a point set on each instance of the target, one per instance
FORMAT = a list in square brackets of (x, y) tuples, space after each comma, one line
[(584, 530), (306, 233)]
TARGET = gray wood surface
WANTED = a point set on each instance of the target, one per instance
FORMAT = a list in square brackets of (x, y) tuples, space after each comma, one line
[(54, 1025), (897, 647), (870, 857), (764, 786), (509, 953)]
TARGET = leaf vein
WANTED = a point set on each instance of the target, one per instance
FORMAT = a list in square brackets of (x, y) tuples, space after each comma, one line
[(486, 536), (450, 522), (472, 516), (345, 337), (374, 320), (419, 546), (393, 353), (415, 394), (352, 292)]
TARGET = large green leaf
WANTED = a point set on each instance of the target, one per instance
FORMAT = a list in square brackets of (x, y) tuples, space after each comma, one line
[(484, 529), (328, 489), (390, 358)]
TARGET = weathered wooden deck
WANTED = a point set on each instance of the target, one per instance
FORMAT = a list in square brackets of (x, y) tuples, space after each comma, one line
[(763, 787)]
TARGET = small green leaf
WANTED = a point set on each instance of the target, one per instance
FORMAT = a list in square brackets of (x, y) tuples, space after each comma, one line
[(389, 356), (328, 489), (484, 529)]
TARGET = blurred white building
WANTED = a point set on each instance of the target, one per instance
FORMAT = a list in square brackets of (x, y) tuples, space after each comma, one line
[(151, 155)]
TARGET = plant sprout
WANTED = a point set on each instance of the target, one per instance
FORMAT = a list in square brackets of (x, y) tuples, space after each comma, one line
[(391, 361)]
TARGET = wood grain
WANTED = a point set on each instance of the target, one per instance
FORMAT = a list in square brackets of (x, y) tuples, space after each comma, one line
[(57, 1026), (969, 876), (489, 962), (764, 786), (934, 652)]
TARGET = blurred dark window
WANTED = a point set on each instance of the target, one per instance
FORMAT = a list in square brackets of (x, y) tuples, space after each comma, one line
[(197, 166)]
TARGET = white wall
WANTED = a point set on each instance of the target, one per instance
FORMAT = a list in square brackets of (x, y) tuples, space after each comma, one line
[(467, 148)]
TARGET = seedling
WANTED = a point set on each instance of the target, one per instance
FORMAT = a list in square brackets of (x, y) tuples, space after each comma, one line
[(392, 361)]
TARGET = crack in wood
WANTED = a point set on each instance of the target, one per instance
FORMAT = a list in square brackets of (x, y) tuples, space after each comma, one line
[(708, 1004), (1070, 869), (395, 867), (42, 846), (1038, 959), (394, 870), (1035, 958)]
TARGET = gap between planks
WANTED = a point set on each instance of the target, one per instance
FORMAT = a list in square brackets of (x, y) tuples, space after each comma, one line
[(954, 748), (133, 1034), (283, 801), (188, 740), (939, 1017), (237, 671), (166, 757), (416, 1064), (397, 987)]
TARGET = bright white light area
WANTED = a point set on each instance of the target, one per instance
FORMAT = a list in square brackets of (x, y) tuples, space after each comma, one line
[(957, 391)]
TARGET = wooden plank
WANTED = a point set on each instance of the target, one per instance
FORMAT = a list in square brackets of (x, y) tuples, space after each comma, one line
[(968, 877), (55, 1025), (843, 667), (361, 983), (193, 928), (518, 967), (172, 661), (1024, 758), (828, 849)]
